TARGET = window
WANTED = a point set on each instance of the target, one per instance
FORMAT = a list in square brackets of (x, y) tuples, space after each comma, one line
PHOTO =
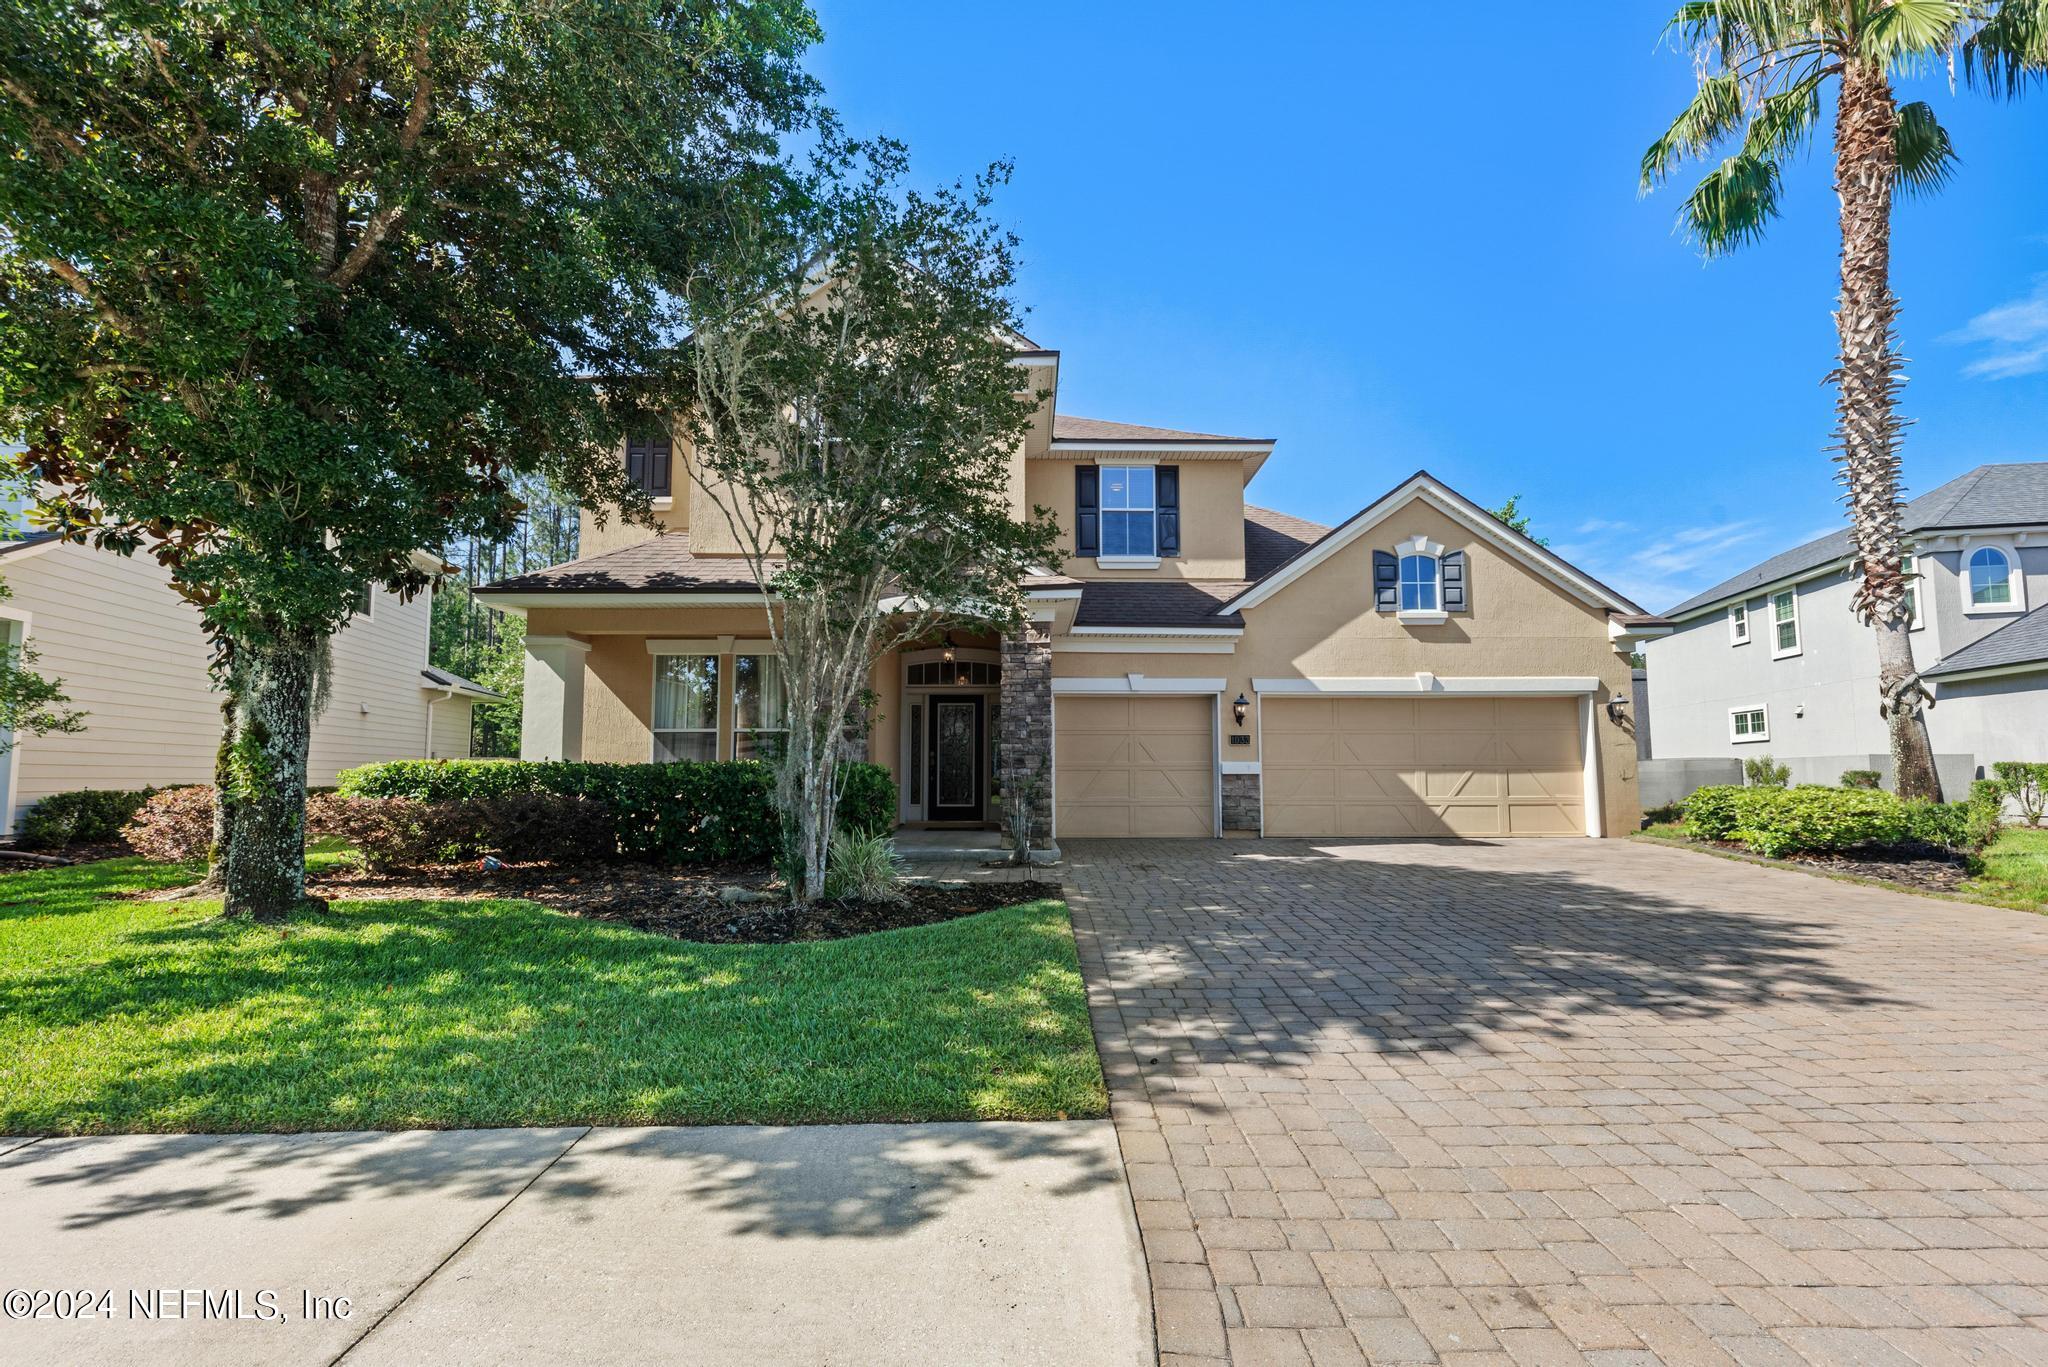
[(1990, 579), (760, 707), (648, 462), (1748, 724), (685, 707), (1129, 511), (364, 598), (1906, 568), (1784, 624), (1418, 583), (1738, 624)]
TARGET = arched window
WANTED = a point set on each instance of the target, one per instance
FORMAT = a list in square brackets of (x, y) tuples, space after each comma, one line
[(1418, 583), (1990, 578)]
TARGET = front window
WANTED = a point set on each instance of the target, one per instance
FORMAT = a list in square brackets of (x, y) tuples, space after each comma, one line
[(1785, 622), (760, 707), (1129, 511), (1418, 583), (686, 707), (1990, 578)]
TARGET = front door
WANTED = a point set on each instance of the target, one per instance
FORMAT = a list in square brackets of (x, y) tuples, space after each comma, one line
[(956, 779)]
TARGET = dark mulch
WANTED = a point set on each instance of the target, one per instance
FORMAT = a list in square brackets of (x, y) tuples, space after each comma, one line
[(1930, 868), (685, 902), (69, 854)]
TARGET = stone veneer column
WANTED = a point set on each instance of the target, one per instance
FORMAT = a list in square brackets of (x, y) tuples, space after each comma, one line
[(1027, 720), (1240, 802)]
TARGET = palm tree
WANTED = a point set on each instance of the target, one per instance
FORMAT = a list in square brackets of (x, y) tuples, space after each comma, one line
[(1763, 65)]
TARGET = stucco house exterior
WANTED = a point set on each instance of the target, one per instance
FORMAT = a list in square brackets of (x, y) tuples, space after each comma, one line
[(1774, 660), (132, 657), (1199, 666)]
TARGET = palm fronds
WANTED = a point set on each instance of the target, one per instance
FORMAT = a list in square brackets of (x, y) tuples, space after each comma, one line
[(1732, 204), (2010, 51), (1926, 158)]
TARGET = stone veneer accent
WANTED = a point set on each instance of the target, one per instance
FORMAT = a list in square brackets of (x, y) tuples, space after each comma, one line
[(1027, 722), (1240, 802)]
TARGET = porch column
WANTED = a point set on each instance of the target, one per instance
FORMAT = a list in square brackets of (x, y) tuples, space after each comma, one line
[(551, 714), (1027, 724)]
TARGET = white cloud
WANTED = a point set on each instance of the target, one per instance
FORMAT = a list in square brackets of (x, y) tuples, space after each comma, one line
[(1665, 571), (2014, 336)]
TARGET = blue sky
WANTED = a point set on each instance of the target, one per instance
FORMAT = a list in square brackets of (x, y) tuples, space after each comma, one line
[(1395, 243)]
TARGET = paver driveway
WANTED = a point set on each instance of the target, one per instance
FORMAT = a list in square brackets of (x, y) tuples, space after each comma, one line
[(1566, 1101)]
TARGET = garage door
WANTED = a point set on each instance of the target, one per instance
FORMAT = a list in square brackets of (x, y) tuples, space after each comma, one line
[(1423, 766), (1130, 766)]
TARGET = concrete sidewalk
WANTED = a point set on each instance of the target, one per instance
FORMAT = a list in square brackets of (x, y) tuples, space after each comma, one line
[(955, 1243)]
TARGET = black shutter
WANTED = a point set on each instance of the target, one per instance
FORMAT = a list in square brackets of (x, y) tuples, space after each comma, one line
[(1087, 510), (1457, 590), (636, 461), (658, 466), (1168, 488), (1386, 581)]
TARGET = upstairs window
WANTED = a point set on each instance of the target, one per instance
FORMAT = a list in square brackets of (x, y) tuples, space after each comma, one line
[(1738, 625), (1130, 511), (1990, 578), (1784, 624), (648, 463), (1906, 568), (1419, 583)]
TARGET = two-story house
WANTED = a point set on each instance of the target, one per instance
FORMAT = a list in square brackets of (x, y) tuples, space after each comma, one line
[(1198, 666), (1774, 660)]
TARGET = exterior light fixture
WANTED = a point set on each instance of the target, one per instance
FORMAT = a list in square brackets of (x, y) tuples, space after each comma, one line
[(1617, 709), (947, 654), (1240, 707)]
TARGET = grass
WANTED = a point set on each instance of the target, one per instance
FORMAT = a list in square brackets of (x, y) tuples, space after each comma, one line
[(123, 1016), (2015, 873)]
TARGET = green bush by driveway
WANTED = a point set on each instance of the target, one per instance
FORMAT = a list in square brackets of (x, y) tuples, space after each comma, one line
[(119, 1015), (1779, 821)]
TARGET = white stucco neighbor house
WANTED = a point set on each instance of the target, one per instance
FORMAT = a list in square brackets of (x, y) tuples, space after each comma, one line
[(131, 656), (1774, 661)]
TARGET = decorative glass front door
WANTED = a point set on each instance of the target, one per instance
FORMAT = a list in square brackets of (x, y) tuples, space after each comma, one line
[(956, 759)]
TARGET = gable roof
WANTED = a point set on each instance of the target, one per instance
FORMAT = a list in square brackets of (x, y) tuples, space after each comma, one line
[(1988, 496), (2022, 641), (1067, 427), (1455, 505)]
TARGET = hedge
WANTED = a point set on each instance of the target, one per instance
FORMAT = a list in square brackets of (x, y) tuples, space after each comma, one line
[(681, 813), (86, 816), (1779, 821)]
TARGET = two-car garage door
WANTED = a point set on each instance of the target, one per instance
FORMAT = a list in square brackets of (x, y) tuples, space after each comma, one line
[(1422, 766)]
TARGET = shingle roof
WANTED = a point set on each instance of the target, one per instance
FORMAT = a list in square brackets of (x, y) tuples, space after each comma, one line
[(1988, 496), (1066, 427), (1157, 603), (2022, 641), (442, 678), (662, 564), (1272, 539)]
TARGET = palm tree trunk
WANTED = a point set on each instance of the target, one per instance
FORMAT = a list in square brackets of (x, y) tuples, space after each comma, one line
[(1869, 429)]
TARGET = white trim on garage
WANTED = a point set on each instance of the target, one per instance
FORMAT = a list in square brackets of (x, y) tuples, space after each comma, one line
[(1136, 683), (1407, 686), (1589, 756)]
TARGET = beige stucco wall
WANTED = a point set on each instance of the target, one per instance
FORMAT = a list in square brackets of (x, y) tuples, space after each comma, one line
[(1323, 625), (131, 655), (1211, 518)]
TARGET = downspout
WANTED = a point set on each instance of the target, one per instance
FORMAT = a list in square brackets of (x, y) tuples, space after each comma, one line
[(427, 747)]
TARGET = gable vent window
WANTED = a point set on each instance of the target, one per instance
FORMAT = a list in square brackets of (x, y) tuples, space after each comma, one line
[(1418, 583), (648, 463), (1421, 582)]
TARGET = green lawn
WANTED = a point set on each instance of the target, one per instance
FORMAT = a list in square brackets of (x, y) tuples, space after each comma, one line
[(2015, 867), (139, 1016)]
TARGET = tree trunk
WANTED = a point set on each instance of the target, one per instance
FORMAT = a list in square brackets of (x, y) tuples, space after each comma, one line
[(1866, 406), (225, 802), (266, 864)]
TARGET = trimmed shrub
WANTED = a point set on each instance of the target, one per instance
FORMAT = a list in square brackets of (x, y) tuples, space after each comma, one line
[(1775, 821), (2026, 784), (1860, 778), (863, 866), (1765, 772), (401, 832), (88, 816), (175, 826), (682, 813), (1710, 812)]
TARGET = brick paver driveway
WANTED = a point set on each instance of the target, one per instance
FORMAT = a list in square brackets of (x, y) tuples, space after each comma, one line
[(1569, 1101)]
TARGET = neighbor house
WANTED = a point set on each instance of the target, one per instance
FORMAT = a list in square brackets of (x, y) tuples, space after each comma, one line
[(132, 658), (1775, 660), (1198, 666)]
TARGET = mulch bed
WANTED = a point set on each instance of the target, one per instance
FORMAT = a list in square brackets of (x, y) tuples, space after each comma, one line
[(1929, 868), (69, 854), (684, 903)]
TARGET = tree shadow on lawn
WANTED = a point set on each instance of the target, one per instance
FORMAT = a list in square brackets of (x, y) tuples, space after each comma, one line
[(1218, 952), (396, 1015)]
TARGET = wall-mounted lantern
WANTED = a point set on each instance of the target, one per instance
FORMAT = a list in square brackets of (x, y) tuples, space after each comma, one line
[(1240, 707)]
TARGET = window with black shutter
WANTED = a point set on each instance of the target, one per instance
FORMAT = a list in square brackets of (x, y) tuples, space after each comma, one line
[(648, 462)]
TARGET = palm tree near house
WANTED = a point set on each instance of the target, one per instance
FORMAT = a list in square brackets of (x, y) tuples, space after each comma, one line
[(1763, 68)]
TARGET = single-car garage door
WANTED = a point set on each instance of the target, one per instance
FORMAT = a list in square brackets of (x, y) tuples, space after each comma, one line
[(1127, 766), (1422, 766)]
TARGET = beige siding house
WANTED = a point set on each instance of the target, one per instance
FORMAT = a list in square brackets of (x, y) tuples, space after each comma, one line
[(132, 657), (1199, 666)]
